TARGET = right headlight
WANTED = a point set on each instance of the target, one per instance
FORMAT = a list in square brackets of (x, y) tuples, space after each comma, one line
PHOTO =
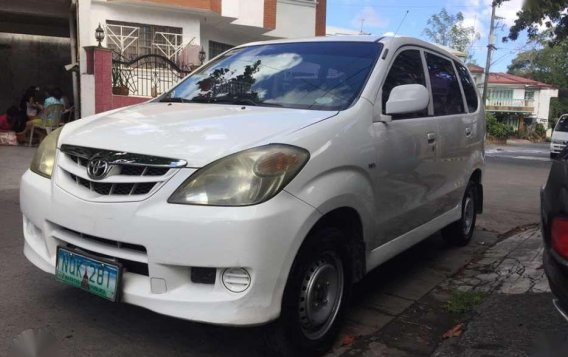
[(44, 158), (246, 178)]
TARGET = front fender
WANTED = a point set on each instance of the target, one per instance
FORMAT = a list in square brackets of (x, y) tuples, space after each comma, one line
[(342, 187)]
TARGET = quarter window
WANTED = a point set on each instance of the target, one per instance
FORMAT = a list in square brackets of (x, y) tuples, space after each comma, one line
[(406, 69), (468, 88), (446, 93)]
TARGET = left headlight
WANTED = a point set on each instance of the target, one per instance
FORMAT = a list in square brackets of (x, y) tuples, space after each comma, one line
[(44, 158), (246, 178)]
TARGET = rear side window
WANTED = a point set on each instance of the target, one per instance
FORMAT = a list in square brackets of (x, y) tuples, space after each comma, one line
[(468, 88), (446, 93), (406, 69)]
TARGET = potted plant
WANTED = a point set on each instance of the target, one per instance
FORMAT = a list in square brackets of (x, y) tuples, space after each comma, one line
[(119, 82)]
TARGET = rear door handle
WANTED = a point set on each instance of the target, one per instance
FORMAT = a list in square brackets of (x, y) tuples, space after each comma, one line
[(431, 138), (468, 132)]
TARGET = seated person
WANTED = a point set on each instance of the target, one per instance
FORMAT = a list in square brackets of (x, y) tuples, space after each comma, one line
[(11, 120), (55, 96)]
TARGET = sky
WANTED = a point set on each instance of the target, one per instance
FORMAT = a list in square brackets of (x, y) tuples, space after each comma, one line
[(386, 16)]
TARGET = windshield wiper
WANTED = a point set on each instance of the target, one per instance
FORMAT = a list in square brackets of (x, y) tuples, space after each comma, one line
[(175, 100)]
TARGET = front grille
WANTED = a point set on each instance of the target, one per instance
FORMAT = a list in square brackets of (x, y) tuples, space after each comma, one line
[(125, 174), (109, 242), (132, 257), (115, 188), (128, 265)]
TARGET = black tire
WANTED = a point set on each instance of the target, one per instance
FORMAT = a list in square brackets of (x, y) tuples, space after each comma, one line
[(295, 333), (460, 232), (553, 155)]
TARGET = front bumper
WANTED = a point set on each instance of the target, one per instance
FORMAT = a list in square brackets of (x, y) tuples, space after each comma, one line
[(263, 239)]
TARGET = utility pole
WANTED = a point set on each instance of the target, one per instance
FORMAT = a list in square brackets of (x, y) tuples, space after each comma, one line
[(490, 49)]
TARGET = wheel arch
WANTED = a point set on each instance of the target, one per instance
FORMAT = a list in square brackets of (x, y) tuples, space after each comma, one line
[(348, 221), (476, 178)]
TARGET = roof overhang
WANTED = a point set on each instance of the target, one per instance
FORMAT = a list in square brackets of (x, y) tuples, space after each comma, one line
[(35, 17)]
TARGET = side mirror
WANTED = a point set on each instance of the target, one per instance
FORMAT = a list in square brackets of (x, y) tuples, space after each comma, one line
[(407, 98)]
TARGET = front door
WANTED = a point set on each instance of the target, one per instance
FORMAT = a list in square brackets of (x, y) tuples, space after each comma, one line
[(405, 177)]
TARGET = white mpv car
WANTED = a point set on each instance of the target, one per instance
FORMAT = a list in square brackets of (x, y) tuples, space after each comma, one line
[(265, 184)]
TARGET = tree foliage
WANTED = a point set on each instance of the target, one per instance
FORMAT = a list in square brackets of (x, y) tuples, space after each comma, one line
[(446, 29), (535, 13), (543, 63)]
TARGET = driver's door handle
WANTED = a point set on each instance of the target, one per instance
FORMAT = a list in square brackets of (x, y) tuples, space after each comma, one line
[(468, 132)]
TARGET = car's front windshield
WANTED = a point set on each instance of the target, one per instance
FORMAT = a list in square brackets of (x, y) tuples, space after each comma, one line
[(562, 124), (305, 75)]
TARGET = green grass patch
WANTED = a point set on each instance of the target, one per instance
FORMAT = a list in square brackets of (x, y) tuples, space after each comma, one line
[(464, 301)]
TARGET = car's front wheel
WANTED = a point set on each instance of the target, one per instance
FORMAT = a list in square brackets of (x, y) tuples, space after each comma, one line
[(460, 232), (314, 297)]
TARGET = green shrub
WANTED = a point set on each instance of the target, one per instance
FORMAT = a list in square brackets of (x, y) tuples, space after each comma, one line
[(497, 129), (540, 130)]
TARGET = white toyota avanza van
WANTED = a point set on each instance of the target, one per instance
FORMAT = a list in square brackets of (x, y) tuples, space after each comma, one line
[(265, 184)]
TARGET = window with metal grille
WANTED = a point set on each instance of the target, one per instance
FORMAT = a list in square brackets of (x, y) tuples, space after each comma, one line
[(216, 48), (132, 40)]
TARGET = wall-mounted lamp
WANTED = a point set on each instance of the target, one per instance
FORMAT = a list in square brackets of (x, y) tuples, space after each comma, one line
[(201, 55), (100, 34)]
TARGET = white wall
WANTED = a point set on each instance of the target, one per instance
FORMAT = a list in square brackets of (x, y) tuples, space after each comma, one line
[(543, 105), (295, 18), (246, 12), (101, 11)]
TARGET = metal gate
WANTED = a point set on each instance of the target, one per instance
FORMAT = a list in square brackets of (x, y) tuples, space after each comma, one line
[(147, 75)]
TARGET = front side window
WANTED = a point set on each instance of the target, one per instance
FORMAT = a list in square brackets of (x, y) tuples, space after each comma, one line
[(446, 93), (562, 124), (310, 75), (468, 87), (406, 69)]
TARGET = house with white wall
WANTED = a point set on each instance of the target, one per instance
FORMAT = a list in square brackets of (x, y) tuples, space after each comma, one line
[(515, 97)]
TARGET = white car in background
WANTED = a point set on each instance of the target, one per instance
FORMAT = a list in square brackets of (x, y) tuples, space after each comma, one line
[(559, 138), (264, 185)]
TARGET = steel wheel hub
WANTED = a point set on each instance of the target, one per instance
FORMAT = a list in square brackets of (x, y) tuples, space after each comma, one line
[(468, 214), (321, 295)]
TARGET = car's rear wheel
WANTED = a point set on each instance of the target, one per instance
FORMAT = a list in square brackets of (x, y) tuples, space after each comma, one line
[(460, 232), (314, 297)]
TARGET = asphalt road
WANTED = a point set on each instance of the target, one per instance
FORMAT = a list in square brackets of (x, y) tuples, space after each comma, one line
[(513, 177), (89, 326)]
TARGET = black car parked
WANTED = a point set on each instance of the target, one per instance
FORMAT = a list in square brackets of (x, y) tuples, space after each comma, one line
[(554, 225)]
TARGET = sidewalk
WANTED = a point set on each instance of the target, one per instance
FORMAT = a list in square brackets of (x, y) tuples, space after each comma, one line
[(501, 299)]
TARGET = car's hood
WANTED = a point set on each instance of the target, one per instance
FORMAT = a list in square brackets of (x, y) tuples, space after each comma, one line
[(197, 133)]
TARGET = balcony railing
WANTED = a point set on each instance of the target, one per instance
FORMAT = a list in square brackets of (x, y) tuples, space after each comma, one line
[(509, 105)]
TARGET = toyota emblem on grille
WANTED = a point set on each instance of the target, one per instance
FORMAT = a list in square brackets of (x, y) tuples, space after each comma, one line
[(97, 169)]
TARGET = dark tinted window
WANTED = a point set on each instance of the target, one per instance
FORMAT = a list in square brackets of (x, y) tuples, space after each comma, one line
[(304, 75), (562, 124), (468, 87), (446, 91), (406, 69)]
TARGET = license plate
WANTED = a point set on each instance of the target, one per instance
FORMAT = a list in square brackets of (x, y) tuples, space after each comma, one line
[(94, 275)]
